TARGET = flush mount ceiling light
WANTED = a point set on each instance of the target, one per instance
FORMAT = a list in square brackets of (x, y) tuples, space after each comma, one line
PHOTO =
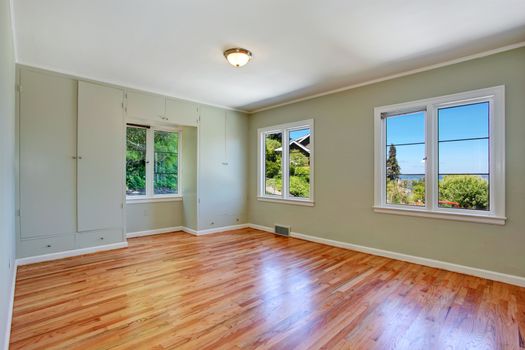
[(238, 57)]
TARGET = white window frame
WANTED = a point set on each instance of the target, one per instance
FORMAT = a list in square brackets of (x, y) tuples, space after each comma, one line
[(285, 130), (496, 98), (150, 195)]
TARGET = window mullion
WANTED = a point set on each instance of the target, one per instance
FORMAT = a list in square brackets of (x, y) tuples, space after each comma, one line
[(285, 163), (150, 155), (431, 161)]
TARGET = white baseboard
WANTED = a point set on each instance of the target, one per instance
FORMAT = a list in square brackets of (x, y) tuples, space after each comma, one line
[(215, 230), (261, 228), (69, 253), (190, 231), (467, 270), (154, 232), (7, 335), (187, 230)]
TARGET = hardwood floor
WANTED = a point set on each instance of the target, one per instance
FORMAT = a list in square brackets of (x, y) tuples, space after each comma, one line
[(249, 289)]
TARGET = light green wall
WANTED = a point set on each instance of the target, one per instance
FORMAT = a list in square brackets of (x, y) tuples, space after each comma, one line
[(7, 164), (223, 154), (151, 216), (189, 177), (344, 170)]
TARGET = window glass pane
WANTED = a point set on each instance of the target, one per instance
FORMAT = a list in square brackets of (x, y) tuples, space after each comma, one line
[(463, 146), (464, 157), (299, 163), (135, 161), (166, 162), (405, 159), (464, 122), (273, 173), (405, 128)]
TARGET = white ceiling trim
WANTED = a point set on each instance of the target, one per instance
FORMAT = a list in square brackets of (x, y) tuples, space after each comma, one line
[(13, 31), (397, 75), (123, 85)]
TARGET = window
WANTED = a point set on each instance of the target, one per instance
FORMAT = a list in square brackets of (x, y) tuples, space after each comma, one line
[(152, 179), (443, 157), (286, 163)]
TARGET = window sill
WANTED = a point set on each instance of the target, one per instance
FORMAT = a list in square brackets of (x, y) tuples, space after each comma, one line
[(302, 202), (153, 199), (484, 219)]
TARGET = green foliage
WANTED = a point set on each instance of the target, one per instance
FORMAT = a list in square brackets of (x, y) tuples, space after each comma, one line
[(166, 162), (393, 170), (136, 161), (273, 158), (273, 166), (299, 187), (165, 165), (469, 191), (299, 174), (418, 192), (395, 193)]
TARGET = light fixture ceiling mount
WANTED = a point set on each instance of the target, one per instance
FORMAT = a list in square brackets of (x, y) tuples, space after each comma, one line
[(238, 57)]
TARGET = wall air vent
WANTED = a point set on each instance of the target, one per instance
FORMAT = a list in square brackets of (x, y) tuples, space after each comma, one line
[(282, 230)]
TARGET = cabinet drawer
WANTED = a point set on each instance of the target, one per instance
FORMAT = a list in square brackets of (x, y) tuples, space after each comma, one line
[(35, 247), (96, 238)]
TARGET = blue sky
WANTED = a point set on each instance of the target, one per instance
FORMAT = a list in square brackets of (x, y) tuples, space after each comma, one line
[(454, 123), (296, 134)]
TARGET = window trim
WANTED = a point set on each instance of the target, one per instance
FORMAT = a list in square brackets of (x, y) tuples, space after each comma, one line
[(496, 98), (285, 130), (150, 196)]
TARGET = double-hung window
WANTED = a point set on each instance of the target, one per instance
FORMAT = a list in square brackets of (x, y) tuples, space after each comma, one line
[(286, 163), (443, 157), (152, 162)]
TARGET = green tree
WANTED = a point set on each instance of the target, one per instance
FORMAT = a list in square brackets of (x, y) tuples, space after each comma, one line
[(393, 170), (469, 191), (273, 167), (166, 161), (273, 158), (136, 160)]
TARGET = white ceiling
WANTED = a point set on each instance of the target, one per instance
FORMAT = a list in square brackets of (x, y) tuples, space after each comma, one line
[(300, 47)]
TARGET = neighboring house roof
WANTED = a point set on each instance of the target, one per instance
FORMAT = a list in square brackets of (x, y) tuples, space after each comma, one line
[(302, 143)]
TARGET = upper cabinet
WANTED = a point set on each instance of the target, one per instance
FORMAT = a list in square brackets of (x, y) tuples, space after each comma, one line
[(146, 106), (156, 108), (182, 112)]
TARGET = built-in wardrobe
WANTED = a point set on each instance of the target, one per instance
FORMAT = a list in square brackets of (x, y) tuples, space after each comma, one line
[(71, 166)]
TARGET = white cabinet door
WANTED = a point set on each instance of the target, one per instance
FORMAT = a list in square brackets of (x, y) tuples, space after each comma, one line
[(181, 112), (145, 106), (47, 139), (101, 157)]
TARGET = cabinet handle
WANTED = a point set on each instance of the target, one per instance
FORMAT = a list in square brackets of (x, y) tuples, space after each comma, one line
[(101, 238), (79, 157), (48, 246), (74, 157)]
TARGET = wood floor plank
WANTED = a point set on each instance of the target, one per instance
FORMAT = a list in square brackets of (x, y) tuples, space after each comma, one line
[(248, 289)]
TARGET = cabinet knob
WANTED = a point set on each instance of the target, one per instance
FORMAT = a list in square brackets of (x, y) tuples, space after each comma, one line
[(48, 246), (101, 238), (74, 157), (79, 157)]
